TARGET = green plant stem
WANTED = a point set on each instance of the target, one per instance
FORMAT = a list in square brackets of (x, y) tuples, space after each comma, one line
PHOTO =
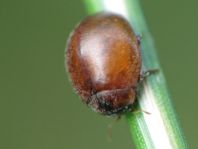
[(160, 129)]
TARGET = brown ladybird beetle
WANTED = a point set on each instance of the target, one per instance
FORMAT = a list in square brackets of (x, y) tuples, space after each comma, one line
[(104, 63)]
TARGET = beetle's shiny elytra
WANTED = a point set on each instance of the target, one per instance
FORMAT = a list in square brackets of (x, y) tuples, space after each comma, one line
[(103, 61)]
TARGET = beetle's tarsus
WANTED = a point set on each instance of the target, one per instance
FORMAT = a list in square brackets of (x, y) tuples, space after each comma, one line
[(138, 111), (139, 38), (147, 73)]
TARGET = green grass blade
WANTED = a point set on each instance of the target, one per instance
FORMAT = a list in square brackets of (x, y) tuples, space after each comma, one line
[(160, 129)]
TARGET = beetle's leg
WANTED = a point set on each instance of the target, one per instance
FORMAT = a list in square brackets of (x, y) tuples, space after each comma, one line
[(147, 73), (110, 126), (135, 108), (139, 38), (136, 111)]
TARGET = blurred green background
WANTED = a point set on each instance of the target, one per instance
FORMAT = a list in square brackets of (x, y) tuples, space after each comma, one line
[(38, 108)]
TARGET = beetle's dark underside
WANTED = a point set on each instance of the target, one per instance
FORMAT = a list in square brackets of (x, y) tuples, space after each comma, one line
[(110, 102)]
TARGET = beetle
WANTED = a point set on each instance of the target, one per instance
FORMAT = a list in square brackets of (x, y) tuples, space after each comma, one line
[(103, 60)]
